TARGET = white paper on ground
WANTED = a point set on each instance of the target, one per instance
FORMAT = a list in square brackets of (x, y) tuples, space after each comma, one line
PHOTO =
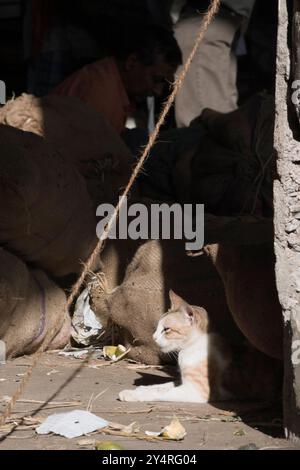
[(72, 424)]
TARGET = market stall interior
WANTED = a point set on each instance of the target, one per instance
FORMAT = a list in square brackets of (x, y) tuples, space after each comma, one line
[(210, 222)]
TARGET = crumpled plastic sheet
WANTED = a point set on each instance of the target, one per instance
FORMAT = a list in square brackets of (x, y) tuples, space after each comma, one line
[(85, 326)]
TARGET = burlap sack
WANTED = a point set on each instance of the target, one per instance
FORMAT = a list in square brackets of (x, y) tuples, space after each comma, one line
[(46, 215), (136, 305), (248, 275), (232, 170), (33, 310), (81, 134), (225, 161)]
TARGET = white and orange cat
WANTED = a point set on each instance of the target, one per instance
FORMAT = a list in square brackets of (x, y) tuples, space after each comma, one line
[(203, 357)]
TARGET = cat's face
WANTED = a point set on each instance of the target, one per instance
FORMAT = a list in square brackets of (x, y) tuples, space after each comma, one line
[(176, 327)]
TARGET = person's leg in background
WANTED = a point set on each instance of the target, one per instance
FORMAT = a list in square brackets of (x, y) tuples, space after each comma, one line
[(211, 79)]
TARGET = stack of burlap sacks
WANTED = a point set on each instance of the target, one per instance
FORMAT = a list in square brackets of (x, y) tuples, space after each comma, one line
[(243, 302), (59, 160), (57, 233)]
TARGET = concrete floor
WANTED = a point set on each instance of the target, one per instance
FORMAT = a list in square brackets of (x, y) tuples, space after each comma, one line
[(64, 379)]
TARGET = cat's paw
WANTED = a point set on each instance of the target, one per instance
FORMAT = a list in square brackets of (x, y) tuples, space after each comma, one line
[(128, 395)]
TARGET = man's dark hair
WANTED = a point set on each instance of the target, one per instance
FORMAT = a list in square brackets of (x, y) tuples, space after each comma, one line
[(147, 43), (121, 28)]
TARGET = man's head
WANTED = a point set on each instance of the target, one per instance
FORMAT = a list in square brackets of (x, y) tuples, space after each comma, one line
[(148, 59)]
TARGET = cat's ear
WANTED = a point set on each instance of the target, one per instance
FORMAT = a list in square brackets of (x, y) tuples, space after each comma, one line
[(189, 313), (176, 301)]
